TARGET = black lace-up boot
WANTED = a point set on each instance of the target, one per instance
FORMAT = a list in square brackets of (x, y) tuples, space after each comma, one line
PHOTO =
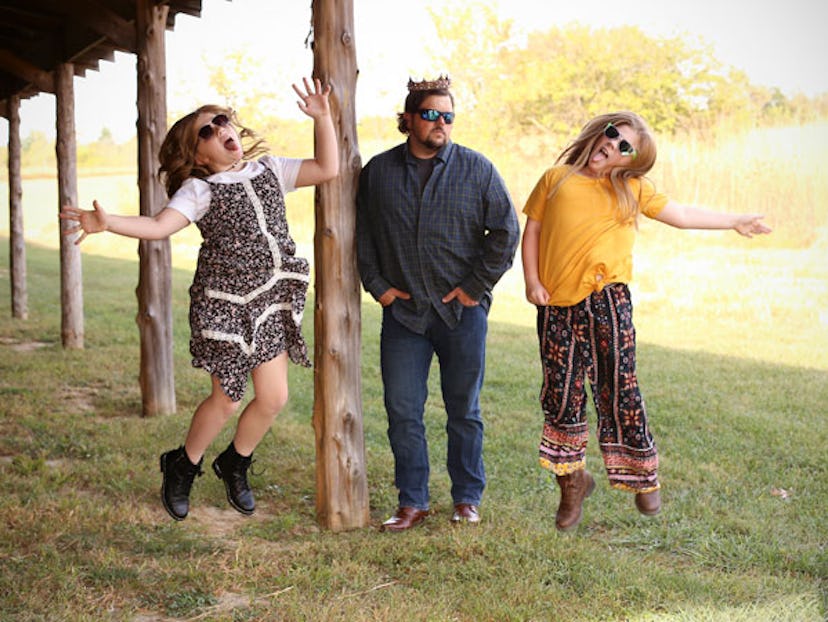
[(179, 474), (231, 468)]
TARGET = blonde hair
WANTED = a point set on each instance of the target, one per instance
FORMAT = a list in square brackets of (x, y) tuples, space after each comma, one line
[(576, 155), (177, 153)]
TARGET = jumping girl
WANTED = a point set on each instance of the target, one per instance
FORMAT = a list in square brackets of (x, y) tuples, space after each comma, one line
[(577, 262)]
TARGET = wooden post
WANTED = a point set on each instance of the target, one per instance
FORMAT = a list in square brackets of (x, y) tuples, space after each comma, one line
[(17, 242), (71, 281), (341, 479), (154, 289)]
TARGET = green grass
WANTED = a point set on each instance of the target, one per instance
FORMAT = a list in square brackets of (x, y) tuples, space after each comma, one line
[(742, 440)]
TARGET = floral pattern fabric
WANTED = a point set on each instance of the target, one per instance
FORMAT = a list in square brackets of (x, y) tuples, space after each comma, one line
[(248, 293)]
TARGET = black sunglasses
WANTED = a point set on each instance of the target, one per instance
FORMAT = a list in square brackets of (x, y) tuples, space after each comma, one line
[(220, 120), (624, 148), (429, 114)]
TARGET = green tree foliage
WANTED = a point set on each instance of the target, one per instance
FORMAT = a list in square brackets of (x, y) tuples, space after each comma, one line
[(261, 98), (554, 81), (38, 151)]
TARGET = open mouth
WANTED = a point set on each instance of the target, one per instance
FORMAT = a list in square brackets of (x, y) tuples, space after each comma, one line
[(601, 154)]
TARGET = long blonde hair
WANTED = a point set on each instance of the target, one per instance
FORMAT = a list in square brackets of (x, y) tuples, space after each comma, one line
[(177, 153), (576, 155)]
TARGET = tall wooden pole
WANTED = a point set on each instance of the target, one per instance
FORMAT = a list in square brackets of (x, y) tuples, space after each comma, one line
[(154, 289), (341, 480), (71, 281), (17, 245)]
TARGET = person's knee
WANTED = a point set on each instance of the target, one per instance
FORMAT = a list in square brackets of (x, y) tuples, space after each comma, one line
[(273, 400)]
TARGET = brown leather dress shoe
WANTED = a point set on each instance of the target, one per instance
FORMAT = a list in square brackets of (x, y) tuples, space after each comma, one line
[(648, 503), (404, 518), (465, 513)]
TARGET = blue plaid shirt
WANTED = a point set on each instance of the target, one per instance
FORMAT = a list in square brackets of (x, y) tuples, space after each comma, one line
[(462, 231)]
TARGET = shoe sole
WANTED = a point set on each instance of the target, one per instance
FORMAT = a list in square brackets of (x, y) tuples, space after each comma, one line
[(163, 463), (233, 504)]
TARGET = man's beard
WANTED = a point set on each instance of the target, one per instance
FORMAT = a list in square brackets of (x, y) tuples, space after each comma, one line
[(436, 143)]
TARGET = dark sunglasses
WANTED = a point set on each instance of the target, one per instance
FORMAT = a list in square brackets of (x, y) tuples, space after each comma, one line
[(220, 120), (429, 114), (624, 148)]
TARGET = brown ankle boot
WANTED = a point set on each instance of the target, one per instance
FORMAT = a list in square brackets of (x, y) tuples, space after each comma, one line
[(575, 487)]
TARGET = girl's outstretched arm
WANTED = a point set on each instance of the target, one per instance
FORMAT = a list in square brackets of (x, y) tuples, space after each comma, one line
[(325, 163), (689, 217), (157, 227)]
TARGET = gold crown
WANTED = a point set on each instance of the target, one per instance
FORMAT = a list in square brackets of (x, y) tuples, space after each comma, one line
[(442, 82)]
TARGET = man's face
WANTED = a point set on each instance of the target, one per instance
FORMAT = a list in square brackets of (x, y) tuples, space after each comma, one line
[(430, 136)]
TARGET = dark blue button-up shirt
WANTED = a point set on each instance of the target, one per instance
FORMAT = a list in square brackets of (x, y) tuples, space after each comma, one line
[(462, 231)]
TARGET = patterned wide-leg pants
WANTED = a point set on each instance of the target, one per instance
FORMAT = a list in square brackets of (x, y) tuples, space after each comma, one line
[(595, 341)]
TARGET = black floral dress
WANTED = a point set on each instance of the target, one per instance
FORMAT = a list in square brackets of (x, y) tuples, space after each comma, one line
[(248, 294)]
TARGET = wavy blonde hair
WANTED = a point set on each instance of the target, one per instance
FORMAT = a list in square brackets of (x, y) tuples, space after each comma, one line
[(576, 155), (177, 153)]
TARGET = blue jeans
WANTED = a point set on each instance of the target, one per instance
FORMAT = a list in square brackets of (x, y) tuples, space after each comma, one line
[(405, 360)]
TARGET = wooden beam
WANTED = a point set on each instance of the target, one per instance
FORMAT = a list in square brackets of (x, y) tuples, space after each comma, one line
[(71, 281), (100, 19), (341, 477), (43, 80), (17, 242), (154, 291)]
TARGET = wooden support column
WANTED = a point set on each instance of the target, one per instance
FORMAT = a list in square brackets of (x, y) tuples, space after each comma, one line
[(341, 479), (154, 289), (71, 281), (17, 242)]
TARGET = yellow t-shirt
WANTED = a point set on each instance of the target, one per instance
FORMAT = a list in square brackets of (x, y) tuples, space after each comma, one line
[(583, 246)]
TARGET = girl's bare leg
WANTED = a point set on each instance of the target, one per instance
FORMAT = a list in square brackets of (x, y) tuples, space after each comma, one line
[(208, 419), (271, 394)]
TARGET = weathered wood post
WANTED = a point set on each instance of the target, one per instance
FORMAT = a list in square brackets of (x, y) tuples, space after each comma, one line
[(154, 289), (17, 242), (341, 480), (71, 281)]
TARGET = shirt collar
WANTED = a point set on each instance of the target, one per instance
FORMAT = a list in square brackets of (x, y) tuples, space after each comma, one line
[(442, 155)]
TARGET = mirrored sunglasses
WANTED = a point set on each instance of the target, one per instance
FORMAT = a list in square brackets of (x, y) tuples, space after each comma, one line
[(429, 114), (624, 147)]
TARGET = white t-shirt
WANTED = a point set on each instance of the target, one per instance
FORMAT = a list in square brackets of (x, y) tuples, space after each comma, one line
[(193, 197)]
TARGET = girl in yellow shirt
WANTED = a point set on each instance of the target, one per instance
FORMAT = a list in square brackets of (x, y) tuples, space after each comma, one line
[(577, 262)]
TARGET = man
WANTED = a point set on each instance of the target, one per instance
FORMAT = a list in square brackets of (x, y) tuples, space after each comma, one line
[(436, 229)]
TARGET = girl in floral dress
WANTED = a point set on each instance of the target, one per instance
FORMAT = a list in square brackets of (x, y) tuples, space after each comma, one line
[(248, 293), (577, 262)]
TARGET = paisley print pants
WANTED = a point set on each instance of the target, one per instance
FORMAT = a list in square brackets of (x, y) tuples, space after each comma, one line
[(594, 341)]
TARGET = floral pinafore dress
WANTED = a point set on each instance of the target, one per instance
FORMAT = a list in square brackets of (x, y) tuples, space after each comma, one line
[(248, 292)]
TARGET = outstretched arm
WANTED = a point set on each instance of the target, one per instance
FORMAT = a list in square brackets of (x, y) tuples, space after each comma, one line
[(157, 227), (688, 217), (325, 163)]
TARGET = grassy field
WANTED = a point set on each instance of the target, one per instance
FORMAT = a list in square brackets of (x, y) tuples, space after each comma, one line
[(742, 536), (733, 364)]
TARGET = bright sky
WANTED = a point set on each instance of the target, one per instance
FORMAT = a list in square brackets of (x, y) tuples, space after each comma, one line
[(776, 42)]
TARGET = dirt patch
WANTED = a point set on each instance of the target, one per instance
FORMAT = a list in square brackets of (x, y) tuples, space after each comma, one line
[(78, 399), (24, 346), (222, 522)]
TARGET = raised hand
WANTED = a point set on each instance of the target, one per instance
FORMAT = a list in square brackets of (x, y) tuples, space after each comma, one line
[(313, 101)]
